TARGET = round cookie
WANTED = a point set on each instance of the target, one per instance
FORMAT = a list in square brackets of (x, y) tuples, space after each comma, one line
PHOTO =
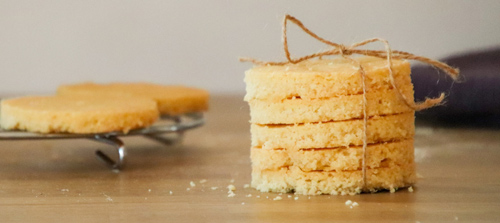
[(322, 78), (172, 100), (335, 159), (344, 107), (290, 179), (77, 114), (333, 134)]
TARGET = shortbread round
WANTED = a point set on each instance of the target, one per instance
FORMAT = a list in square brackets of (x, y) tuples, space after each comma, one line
[(292, 179), (324, 78), (335, 159), (298, 110), (333, 134), (172, 100), (77, 114)]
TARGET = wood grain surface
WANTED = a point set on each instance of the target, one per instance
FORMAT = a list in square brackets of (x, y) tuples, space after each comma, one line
[(62, 181)]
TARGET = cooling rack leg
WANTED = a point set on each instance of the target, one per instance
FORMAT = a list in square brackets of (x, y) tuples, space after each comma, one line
[(118, 144), (169, 139)]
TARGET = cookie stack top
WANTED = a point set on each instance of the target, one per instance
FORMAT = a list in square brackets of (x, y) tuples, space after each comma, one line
[(304, 92)]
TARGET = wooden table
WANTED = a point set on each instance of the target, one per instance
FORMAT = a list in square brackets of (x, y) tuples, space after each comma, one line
[(44, 181)]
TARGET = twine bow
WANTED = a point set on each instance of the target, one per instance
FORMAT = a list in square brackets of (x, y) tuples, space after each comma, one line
[(346, 52)]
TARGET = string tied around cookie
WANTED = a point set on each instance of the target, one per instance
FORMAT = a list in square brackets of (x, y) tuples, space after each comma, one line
[(346, 52)]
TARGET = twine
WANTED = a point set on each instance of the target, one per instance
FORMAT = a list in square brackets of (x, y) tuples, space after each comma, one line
[(346, 52)]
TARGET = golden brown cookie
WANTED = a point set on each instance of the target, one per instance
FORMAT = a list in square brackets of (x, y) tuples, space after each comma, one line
[(172, 100), (333, 134), (335, 159), (292, 179), (344, 107), (77, 114), (314, 79)]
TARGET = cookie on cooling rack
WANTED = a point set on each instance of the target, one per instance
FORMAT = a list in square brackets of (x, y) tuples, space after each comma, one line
[(77, 114), (171, 100)]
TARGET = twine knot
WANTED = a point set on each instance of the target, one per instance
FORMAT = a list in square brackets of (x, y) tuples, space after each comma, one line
[(343, 50)]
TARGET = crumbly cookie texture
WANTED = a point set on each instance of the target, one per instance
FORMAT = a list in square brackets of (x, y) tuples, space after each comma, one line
[(344, 107), (335, 159), (172, 100), (314, 79), (77, 114), (333, 134), (293, 179), (307, 126)]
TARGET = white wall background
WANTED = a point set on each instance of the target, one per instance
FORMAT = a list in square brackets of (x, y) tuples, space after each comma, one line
[(47, 43)]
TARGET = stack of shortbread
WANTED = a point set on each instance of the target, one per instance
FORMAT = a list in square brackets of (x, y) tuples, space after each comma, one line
[(307, 127)]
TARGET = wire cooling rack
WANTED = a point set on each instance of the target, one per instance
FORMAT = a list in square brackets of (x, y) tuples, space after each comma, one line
[(167, 124)]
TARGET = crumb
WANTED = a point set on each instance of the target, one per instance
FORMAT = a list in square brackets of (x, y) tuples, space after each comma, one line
[(355, 204), (280, 194), (348, 202), (258, 196), (242, 203), (149, 190), (249, 195), (246, 186), (296, 198), (203, 181), (188, 189), (145, 198), (419, 176), (350, 207), (410, 189), (230, 194), (393, 190), (171, 192), (267, 197), (289, 196), (64, 190), (231, 187), (214, 188), (232, 181), (277, 198), (192, 184), (309, 197)]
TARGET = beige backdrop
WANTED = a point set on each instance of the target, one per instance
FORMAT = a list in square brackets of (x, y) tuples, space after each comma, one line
[(47, 43)]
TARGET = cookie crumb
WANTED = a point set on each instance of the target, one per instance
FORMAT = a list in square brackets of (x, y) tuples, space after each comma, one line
[(393, 190), (249, 195), (410, 189), (348, 202), (214, 188), (232, 181), (149, 190), (246, 186), (355, 204), (242, 203), (65, 190), (188, 189), (277, 198), (203, 181), (289, 196), (296, 198), (171, 192), (231, 187), (230, 194), (419, 176), (192, 184)]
